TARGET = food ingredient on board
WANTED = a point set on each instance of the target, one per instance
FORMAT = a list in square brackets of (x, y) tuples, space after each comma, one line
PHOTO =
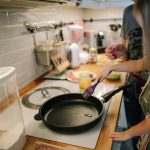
[(114, 76)]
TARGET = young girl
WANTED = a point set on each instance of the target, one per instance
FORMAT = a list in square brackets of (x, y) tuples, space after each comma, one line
[(142, 13)]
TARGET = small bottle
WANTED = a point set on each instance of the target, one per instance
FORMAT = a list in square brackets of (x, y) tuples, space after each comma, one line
[(93, 55)]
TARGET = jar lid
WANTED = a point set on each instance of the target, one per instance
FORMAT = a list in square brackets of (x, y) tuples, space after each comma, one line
[(6, 73)]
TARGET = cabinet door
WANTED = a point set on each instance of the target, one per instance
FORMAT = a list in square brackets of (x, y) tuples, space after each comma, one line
[(103, 3), (115, 3), (76, 1), (113, 0)]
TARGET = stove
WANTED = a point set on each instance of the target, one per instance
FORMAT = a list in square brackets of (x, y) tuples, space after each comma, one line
[(35, 128)]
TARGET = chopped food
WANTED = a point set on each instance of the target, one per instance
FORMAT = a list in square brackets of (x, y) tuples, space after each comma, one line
[(114, 76), (74, 76)]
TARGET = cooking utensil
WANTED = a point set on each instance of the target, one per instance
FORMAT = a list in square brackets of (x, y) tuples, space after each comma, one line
[(89, 91), (70, 113), (61, 35), (60, 63)]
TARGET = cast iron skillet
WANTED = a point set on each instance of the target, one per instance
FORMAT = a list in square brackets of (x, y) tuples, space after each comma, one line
[(71, 113)]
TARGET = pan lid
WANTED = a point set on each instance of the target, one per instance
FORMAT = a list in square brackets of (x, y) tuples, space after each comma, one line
[(36, 98)]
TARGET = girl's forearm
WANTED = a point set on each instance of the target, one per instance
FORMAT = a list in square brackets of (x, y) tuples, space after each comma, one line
[(139, 129), (124, 57), (129, 66)]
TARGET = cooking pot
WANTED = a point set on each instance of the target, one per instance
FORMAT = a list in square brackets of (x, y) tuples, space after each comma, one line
[(71, 113)]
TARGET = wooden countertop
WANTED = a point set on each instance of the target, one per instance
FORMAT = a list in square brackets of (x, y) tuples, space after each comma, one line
[(104, 142)]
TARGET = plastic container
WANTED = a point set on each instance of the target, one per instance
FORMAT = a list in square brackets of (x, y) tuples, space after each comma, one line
[(12, 131)]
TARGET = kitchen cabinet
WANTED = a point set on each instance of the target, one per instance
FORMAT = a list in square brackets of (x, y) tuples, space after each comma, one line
[(104, 3), (116, 0), (118, 3), (76, 1), (28, 4), (85, 3)]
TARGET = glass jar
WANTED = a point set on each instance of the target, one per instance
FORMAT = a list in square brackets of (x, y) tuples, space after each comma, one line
[(93, 55)]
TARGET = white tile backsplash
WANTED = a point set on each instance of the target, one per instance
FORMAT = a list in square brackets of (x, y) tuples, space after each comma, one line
[(24, 64), (23, 41), (3, 19), (16, 56), (6, 46), (11, 31)]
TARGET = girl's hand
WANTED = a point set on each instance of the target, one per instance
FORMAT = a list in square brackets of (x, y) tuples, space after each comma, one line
[(115, 51), (104, 73), (120, 136)]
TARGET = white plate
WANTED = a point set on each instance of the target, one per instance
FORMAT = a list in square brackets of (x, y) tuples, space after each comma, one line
[(74, 75)]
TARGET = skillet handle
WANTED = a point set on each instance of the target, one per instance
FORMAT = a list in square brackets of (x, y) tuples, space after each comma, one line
[(38, 117), (106, 97)]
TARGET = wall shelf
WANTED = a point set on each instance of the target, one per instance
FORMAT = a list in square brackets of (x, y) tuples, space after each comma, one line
[(36, 27), (103, 19)]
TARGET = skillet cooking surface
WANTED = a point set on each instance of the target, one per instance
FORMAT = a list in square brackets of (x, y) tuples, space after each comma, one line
[(74, 113), (70, 112)]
